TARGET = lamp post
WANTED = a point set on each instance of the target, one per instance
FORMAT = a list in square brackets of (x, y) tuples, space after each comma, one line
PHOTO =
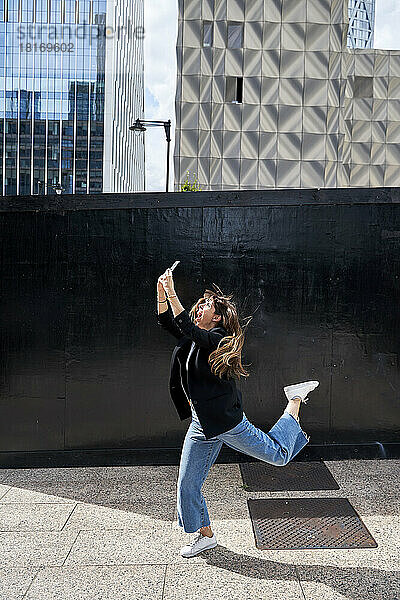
[(139, 127)]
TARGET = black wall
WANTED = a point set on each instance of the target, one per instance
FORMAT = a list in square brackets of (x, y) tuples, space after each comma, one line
[(84, 364)]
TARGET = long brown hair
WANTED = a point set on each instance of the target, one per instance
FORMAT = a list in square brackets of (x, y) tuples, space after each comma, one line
[(226, 359)]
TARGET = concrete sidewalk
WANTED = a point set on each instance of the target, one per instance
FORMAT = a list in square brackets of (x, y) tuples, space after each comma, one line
[(110, 533)]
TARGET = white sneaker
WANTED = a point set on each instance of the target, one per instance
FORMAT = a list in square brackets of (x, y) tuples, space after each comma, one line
[(201, 542), (300, 389)]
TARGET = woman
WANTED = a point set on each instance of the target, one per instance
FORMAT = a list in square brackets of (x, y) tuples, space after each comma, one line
[(203, 364)]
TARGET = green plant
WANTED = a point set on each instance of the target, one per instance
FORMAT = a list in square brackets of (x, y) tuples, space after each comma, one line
[(190, 186)]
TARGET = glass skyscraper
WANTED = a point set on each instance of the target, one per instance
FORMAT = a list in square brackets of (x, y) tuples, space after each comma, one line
[(59, 71), (361, 24)]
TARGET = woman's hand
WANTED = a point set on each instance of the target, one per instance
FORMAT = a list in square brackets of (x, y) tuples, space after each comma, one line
[(167, 282)]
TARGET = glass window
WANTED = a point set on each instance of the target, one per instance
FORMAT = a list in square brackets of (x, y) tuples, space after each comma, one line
[(207, 33), (84, 11), (235, 35), (362, 87), (69, 14), (55, 11), (27, 11), (234, 90)]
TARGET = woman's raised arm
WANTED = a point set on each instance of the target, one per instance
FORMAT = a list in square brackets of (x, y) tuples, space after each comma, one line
[(164, 317)]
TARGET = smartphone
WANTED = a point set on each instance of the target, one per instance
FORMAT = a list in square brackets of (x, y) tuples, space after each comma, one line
[(175, 264)]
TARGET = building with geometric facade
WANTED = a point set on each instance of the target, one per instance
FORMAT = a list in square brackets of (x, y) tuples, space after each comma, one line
[(64, 97), (270, 96), (361, 24)]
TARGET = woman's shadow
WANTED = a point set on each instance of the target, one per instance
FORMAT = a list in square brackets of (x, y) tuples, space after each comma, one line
[(355, 583)]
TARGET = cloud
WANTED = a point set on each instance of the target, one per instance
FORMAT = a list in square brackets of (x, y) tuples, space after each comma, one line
[(387, 25), (150, 101)]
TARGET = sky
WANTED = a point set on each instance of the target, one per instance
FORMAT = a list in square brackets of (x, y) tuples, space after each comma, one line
[(161, 23), (161, 26)]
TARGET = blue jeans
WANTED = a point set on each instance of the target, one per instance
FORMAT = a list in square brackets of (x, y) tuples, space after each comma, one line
[(277, 447)]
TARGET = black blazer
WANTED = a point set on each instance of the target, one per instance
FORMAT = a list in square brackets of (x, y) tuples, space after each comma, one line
[(217, 402)]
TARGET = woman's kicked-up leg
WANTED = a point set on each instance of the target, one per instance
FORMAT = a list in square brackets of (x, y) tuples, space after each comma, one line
[(277, 447)]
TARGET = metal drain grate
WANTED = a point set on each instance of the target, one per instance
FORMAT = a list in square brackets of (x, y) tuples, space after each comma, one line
[(263, 477), (300, 523)]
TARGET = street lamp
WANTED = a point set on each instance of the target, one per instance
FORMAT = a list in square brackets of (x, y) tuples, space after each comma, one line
[(139, 127), (57, 187)]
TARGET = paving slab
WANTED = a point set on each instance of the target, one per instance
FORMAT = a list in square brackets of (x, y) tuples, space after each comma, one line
[(4, 473), (252, 567), (333, 583), (14, 581), (35, 548), (387, 507), (21, 495), (366, 477), (98, 583), (3, 489), (219, 510), (361, 469), (52, 492), (369, 488), (55, 475), (141, 474), (34, 517), (191, 582), (139, 483), (157, 545), (120, 516), (137, 492)]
